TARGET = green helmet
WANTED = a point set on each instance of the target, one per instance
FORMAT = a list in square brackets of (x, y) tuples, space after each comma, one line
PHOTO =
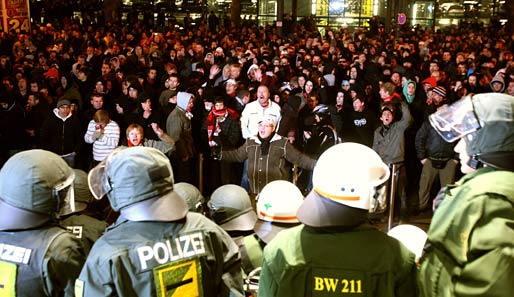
[(138, 182), (486, 121), (231, 208), (35, 186), (191, 195)]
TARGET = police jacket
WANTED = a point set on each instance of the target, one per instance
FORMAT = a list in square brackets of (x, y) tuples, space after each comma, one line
[(304, 261), (39, 262), (429, 144), (85, 228), (263, 169), (323, 137), (469, 250), (190, 257)]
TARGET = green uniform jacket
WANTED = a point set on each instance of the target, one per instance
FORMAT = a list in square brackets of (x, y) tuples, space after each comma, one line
[(191, 257), (304, 261), (470, 246), (39, 262), (87, 229)]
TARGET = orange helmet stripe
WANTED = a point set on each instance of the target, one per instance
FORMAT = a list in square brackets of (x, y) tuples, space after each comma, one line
[(282, 218), (341, 198)]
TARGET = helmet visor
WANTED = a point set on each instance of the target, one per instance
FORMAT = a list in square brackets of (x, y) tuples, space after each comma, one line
[(456, 120), (65, 196), (97, 180)]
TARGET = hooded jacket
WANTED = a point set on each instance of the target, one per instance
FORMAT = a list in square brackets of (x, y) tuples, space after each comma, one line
[(178, 126), (61, 135), (498, 78)]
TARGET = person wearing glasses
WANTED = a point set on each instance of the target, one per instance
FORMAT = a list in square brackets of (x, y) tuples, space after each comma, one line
[(268, 155)]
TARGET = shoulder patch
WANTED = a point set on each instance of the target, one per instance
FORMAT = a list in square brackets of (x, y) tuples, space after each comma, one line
[(182, 278), (8, 273)]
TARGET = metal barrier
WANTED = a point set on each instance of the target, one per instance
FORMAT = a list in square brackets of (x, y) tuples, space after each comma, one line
[(200, 172), (392, 185)]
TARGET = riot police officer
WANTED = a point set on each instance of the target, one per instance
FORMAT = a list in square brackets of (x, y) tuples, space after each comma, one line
[(81, 222), (471, 236), (334, 251), (156, 247), (37, 257)]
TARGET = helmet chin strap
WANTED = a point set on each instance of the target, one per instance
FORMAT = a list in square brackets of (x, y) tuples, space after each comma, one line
[(475, 163)]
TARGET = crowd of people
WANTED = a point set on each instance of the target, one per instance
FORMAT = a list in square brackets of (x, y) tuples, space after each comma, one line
[(75, 90), (108, 133)]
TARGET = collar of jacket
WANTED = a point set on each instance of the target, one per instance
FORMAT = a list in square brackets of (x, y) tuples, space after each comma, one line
[(275, 138)]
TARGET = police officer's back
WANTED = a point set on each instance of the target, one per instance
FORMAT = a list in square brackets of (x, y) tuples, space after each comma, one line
[(335, 252), (81, 222), (155, 247), (37, 257), (231, 208)]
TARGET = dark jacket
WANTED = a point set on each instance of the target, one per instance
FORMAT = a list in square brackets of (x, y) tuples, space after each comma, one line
[(360, 126), (263, 169), (429, 144), (61, 136)]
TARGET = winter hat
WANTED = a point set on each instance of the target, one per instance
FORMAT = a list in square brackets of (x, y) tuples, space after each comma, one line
[(63, 102), (52, 72), (431, 81), (440, 91)]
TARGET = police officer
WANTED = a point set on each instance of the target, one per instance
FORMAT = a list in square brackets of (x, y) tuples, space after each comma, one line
[(156, 247), (37, 257), (323, 134), (81, 222), (469, 251), (276, 209), (318, 139), (231, 208), (334, 251)]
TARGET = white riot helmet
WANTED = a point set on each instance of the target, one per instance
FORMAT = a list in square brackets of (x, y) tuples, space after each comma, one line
[(278, 202), (277, 205), (345, 179), (411, 236)]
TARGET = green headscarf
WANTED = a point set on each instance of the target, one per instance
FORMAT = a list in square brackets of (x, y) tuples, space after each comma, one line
[(408, 97)]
